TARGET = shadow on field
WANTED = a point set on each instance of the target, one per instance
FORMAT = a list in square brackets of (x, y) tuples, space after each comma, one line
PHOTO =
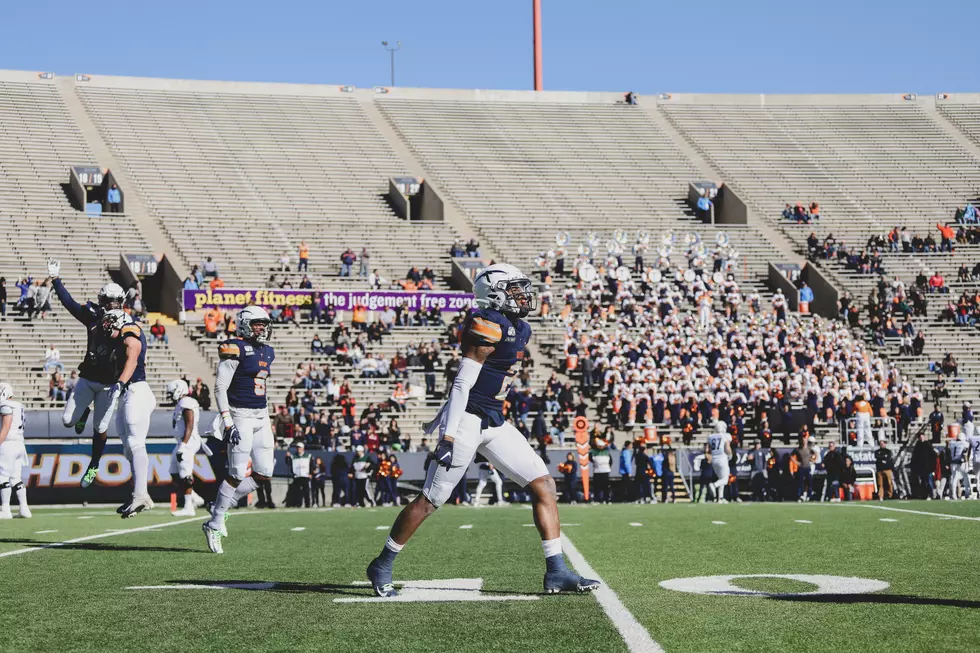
[(281, 587), (99, 546), (893, 599)]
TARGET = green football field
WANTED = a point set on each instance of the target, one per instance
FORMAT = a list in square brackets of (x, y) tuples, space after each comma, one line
[(290, 580)]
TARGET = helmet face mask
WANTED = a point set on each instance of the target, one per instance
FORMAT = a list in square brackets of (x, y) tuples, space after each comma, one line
[(111, 297), (250, 317), (178, 389), (502, 287), (114, 320)]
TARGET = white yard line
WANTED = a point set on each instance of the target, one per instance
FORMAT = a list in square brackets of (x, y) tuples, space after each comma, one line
[(941, 515), (99, 536), (637, 638)]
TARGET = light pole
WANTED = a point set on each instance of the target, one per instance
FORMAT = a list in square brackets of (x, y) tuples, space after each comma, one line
[(392, 50)]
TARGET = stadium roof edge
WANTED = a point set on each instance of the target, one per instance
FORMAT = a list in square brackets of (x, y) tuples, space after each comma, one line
[(481, 95)]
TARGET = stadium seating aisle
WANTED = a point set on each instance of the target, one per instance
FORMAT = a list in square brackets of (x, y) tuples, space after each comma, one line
[(247, 176)]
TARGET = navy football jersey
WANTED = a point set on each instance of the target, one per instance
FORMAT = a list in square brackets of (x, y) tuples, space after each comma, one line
[(509, 337), (247, 389), (98, 365), (131, 330)]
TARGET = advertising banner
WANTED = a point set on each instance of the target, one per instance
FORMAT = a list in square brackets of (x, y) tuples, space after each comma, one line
[(54, 471), (227, 299)]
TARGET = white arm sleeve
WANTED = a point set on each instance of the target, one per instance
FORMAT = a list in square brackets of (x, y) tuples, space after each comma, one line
[(226, 372), (469, 372)]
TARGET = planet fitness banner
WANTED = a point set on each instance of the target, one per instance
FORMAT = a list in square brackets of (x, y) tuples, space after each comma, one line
[(342, 300)]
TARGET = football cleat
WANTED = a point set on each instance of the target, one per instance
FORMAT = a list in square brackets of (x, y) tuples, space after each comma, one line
[(90, 475), (186, 511), (197, 500), (214, 538), (25, 513), (136, 506), (566, 580), (380, 578), (80, 424)]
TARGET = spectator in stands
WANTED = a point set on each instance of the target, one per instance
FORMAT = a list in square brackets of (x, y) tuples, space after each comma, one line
[(209, 268), (212, 318), (457, 250), (284, 262), (216, 283), (304, 257), (347, 259), (190, 283), (949, 365), (414, 276), (948, 234), (704, 208), (158, 333), (937, 283), (201, 392), (473, 248), (114, 197), (806, 298), (788, 212), (631, 98), (56, 387), (365, 259), (305, 283), (3, 299), (70, 384), (52, 359), (316, 345)]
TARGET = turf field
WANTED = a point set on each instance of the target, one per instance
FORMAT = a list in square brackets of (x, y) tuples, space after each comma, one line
[(297, 575)]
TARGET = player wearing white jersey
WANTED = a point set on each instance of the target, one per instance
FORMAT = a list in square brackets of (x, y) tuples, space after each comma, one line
[(489, 473), (720, 445), (13, 454), (186, 422)]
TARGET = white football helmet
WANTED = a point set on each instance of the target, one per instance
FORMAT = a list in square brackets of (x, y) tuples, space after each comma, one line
[(6, 391), (503, 287), (251, 315), (111, 296), (114, 320), (178, 389)]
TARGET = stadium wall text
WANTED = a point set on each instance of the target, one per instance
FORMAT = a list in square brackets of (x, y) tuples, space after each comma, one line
[(227, 299)]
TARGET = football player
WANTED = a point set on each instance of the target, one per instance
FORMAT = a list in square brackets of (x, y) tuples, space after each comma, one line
[(720, 445), (243, 367), (13, 454), (493, 340), (186, 420), (132, 402), (96, 374)]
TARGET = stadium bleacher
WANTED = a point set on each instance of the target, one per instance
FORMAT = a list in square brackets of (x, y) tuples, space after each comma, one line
[(244, 172)]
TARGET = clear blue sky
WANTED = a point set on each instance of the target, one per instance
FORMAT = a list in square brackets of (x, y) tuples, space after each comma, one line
[(788, 46)]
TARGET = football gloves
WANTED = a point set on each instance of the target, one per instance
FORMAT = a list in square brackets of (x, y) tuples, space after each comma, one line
[(232, 436), (54, 267), (443, 455)]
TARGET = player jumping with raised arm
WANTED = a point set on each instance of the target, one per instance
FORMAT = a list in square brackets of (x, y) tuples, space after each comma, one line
[(96, 374), (186, 423), (132, 401), (493, 339), (243, 367), (13, 454)]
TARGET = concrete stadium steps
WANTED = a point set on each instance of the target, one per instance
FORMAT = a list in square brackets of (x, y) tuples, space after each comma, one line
[(965, 116), (524, 171), (245, 177)]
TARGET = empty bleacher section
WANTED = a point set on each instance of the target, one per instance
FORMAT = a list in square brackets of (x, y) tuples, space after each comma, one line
[(244, 175), (965, 115), (38, 143)]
